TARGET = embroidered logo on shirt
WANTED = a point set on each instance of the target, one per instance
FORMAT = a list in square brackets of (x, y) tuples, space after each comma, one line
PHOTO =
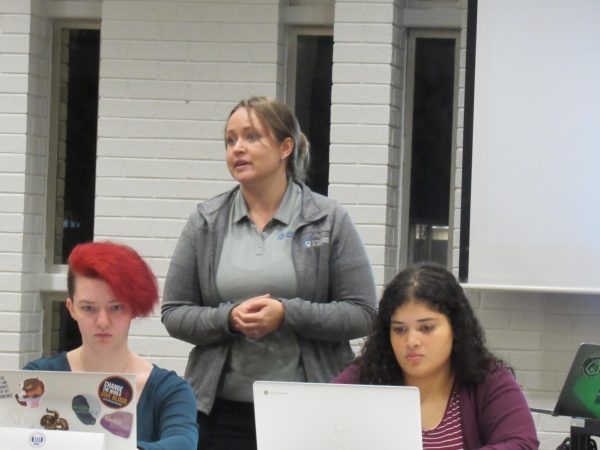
[(316, 242), (285, 234)]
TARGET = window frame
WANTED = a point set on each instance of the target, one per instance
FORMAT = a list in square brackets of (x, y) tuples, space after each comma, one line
[(426, 4), (53, 135), (412, 35), (292, 54), (50, 319)]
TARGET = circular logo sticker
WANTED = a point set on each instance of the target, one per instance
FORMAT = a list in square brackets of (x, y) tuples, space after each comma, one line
[(115, 392), (37, 439)]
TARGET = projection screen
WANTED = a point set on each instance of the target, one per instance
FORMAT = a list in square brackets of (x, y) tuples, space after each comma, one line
[(535, 180)]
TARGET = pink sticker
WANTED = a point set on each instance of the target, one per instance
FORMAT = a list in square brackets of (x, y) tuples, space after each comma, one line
[(118, 423)]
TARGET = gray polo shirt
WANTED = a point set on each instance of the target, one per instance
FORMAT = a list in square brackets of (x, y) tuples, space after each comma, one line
[(256, 263)]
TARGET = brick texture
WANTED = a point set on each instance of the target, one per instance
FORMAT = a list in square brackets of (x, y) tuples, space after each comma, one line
[(24, 66), (170, 72)]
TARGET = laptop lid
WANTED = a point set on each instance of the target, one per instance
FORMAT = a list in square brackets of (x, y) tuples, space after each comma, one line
[(580, 394), (320, 416), (28, 439), (71, 401)]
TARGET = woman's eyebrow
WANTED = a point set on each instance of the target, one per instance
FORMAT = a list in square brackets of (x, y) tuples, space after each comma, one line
[(426, 319)]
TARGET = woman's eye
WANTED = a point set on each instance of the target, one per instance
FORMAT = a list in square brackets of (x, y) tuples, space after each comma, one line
[(230, 141), (116, 308), (398, 330), (427, 328), (87, 308)]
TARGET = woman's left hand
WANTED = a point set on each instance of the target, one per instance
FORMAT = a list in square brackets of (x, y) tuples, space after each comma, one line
[(258, 316)]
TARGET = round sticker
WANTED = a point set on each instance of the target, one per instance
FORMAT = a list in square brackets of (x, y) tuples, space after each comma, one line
[(37, 439), (115, 392)]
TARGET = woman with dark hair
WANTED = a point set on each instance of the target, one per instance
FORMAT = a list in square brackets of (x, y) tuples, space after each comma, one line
[(426, 335), (109, 285), (269, 280)]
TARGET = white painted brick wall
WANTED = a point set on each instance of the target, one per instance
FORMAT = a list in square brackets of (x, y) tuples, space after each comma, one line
[(361, 137), (169, 77), (170, 72), (24, 37), (538, 334)]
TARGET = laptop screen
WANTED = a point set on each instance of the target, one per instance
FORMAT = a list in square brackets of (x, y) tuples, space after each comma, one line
[(71, 401), (319, 416), (580, 394)]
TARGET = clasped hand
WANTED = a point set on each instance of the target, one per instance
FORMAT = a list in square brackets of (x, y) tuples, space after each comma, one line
[(257, 316)]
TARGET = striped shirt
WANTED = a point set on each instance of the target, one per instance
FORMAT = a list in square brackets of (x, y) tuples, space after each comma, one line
[(448, 434)]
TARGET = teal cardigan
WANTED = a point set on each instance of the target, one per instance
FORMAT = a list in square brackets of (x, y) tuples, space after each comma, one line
[(166, 410)]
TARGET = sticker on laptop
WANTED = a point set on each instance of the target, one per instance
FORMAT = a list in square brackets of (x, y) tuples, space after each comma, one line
[(31, 391), (4, 389), (118, 423), (87, 408), (591, 366), (115, 392), (53, 421), (37, 439)]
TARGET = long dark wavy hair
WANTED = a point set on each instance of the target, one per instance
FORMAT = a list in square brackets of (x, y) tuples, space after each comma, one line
[(435, 287)]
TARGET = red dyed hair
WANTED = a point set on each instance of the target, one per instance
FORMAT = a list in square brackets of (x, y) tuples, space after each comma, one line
[(127, 274)]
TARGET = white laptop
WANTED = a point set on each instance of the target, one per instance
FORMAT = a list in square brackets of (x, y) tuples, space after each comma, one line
[(320, 416), (27, 439), (70, 401)]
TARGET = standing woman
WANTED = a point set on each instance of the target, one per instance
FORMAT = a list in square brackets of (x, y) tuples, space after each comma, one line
[(109, 284), (269, 281), (426, 335)]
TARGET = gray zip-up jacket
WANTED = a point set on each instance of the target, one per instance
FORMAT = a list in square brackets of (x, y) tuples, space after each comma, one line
[(336, 300)]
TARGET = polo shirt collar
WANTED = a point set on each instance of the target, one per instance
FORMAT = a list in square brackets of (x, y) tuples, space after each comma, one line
[(284, 213)]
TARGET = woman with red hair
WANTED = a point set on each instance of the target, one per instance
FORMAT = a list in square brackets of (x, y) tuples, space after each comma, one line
[(109, 284)]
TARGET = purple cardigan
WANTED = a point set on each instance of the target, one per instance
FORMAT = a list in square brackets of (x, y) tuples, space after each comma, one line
[(494, 414)]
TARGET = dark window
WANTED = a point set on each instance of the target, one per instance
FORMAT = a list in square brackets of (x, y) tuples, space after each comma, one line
[(69, 336), (78, 74), (77, 164), (433, 106), (313, 103)]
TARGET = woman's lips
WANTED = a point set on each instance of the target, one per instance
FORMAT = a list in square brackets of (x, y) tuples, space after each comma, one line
[(414, 357), (103, 335)]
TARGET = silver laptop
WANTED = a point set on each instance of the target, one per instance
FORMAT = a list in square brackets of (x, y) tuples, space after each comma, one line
[(71, 401), (27, 439), (320, 416)]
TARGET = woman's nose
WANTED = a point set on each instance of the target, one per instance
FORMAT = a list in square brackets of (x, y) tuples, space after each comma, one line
[(413, 338), (239, 147), (102, 320)]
